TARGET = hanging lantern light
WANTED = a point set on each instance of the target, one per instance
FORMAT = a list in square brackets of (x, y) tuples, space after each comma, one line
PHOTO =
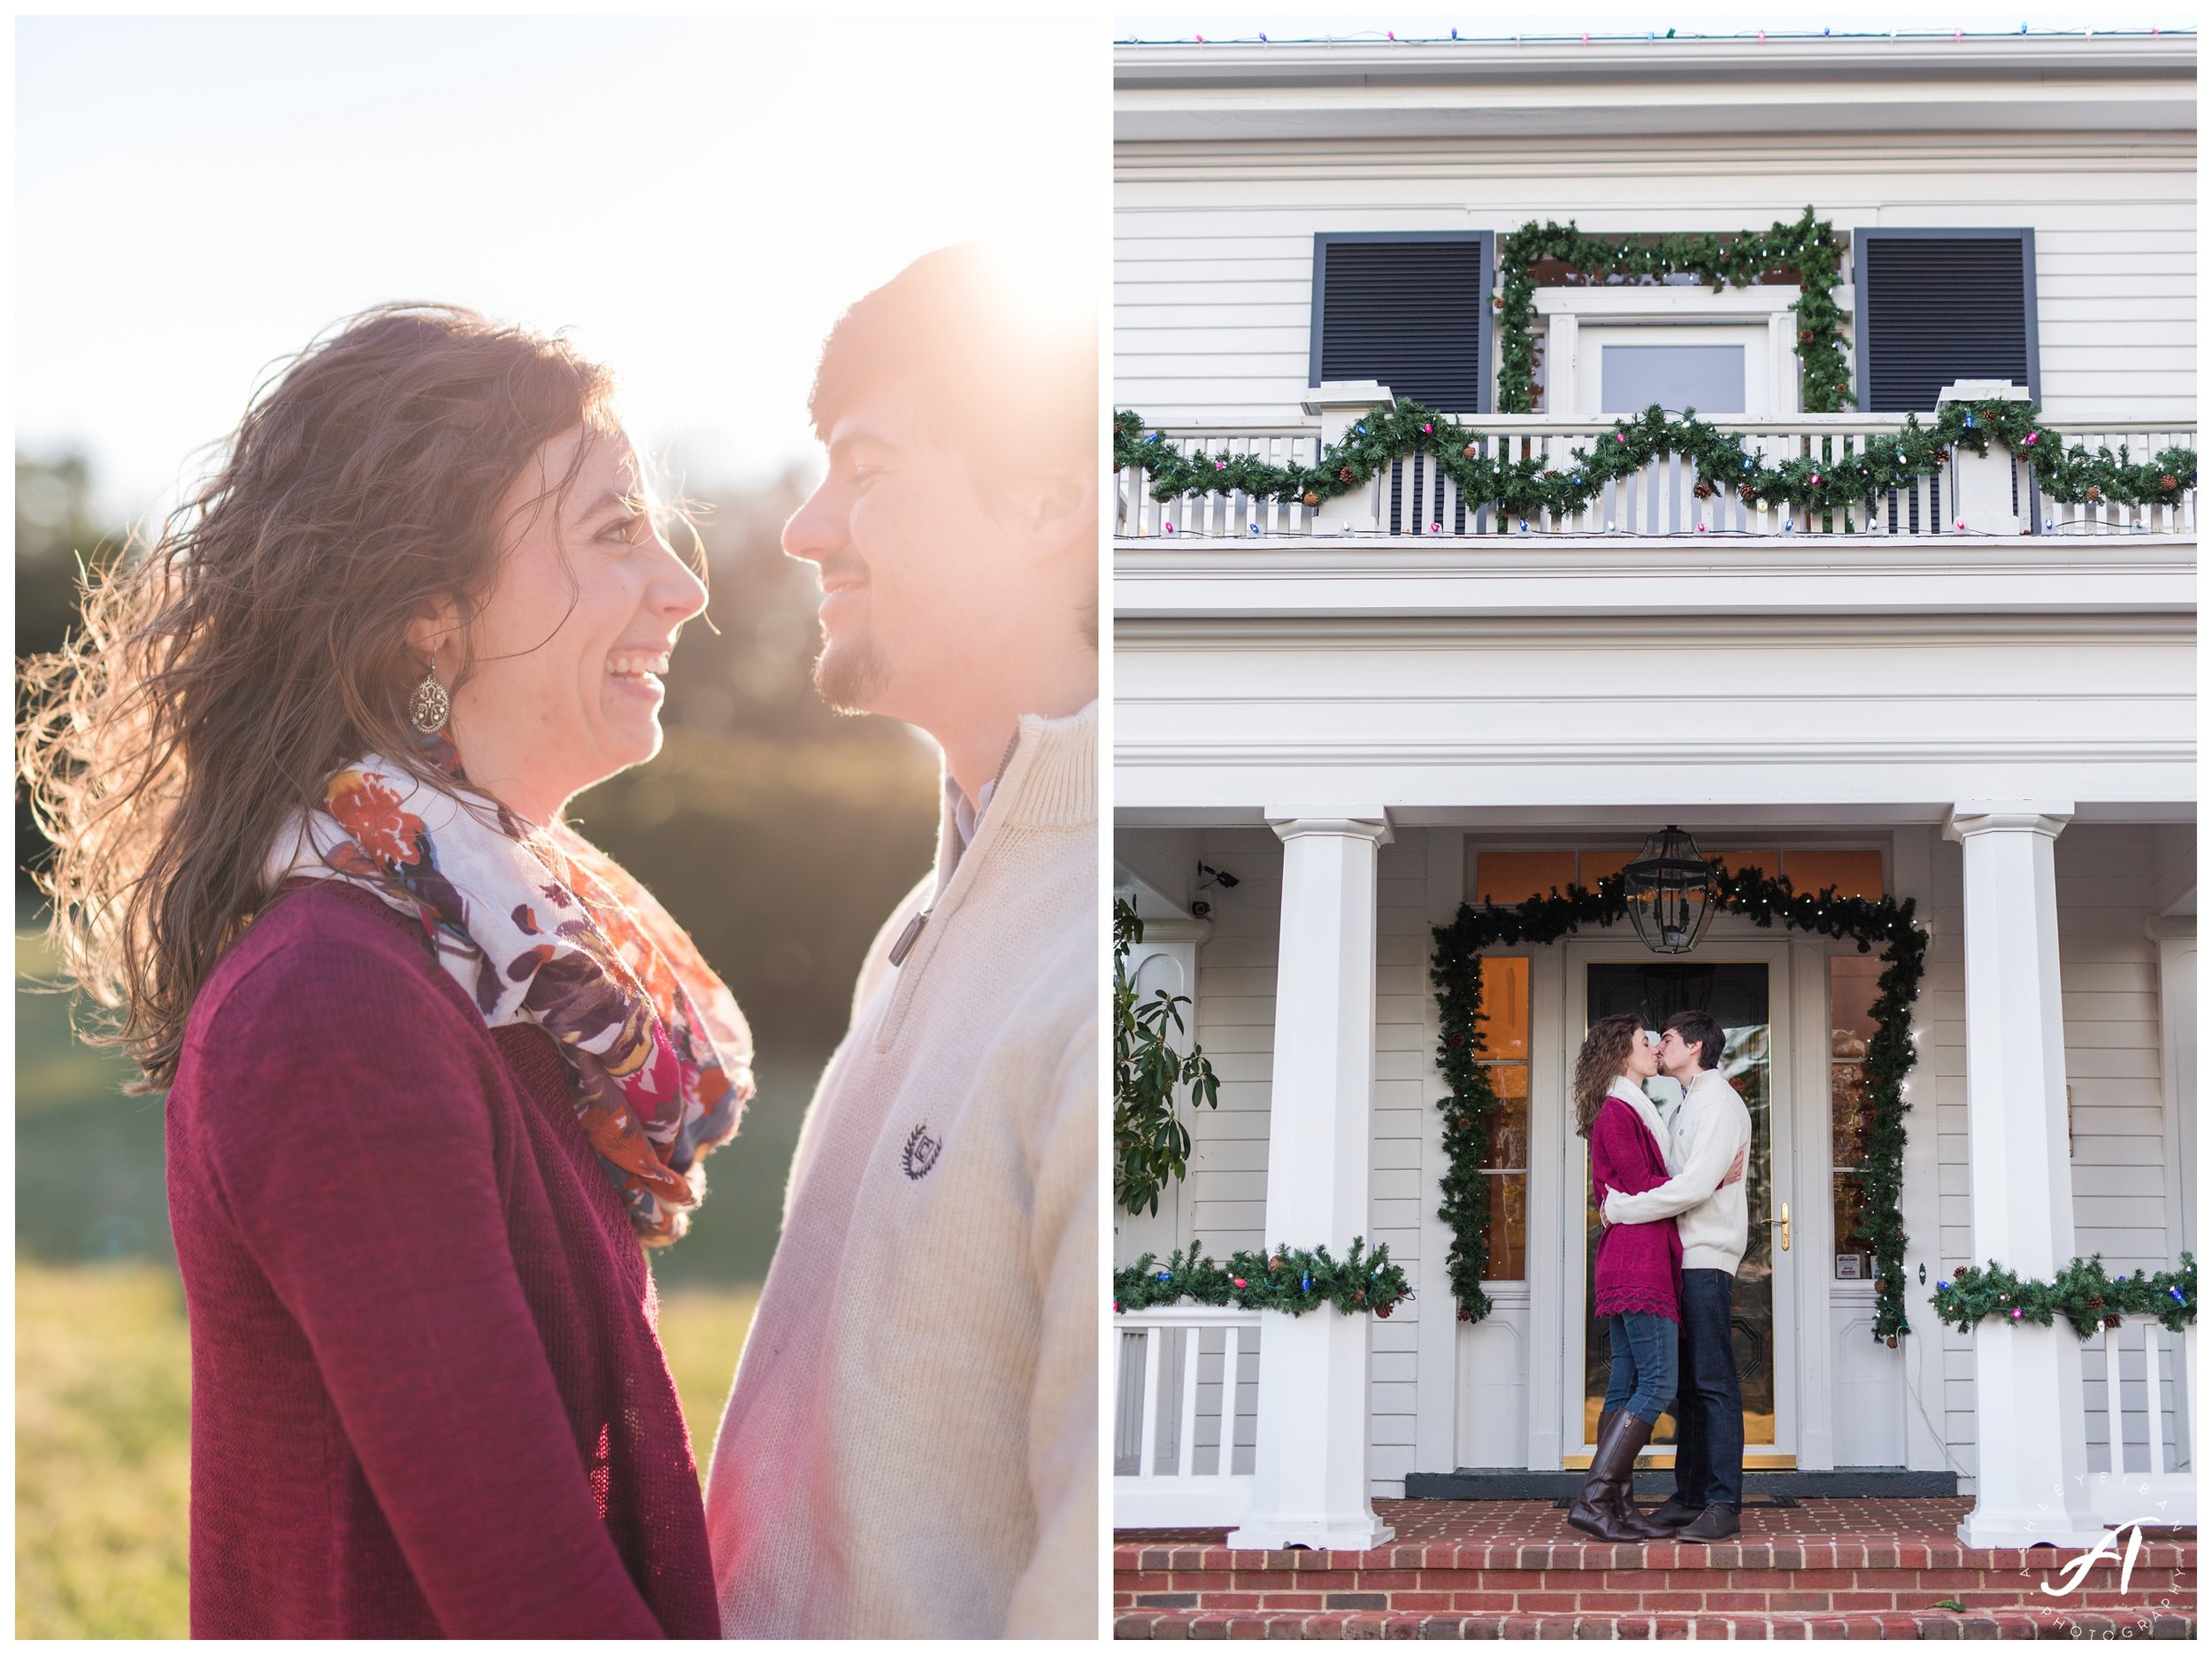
[(1672, 893)]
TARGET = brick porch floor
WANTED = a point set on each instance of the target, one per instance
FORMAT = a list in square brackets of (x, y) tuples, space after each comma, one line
[(1829, 1567)]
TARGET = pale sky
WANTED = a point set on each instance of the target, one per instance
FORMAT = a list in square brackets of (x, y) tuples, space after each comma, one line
[(695, 199)]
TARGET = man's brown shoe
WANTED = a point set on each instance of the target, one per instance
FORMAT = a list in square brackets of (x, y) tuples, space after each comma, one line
[(1715, 1522), (1674, 1514)]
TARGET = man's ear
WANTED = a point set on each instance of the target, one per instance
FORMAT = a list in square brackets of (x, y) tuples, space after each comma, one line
[(1059, 513), (433, 631)]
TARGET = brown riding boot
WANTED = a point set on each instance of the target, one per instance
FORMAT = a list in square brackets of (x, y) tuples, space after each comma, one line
[(1603, 1510), (1628, 1488)]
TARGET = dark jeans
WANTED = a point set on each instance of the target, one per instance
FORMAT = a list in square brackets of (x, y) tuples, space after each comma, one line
[(1709, 1407), (1643, 1377)]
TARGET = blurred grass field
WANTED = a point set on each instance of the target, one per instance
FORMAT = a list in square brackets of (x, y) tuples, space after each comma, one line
[(102, 1364)]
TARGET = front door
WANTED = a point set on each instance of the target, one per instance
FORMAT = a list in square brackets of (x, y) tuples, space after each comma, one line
[(1738, 995)]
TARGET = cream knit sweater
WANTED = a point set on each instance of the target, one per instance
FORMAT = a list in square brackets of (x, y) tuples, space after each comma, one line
[(911, 1447)]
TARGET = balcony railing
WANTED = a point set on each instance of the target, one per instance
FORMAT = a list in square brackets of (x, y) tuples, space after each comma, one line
[(1186, 1403), (1413, 496)]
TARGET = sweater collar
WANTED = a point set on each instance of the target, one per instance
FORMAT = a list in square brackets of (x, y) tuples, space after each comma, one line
[(1704, 1080), (1047, 779)]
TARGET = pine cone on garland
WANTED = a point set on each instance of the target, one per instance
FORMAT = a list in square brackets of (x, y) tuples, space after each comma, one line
[(1384, 1312), (1312, 498), (1468, 453), (2168, 482), (1344, 474), (1703, 491), (1744, 491), (2096, 494), (1804, 335)]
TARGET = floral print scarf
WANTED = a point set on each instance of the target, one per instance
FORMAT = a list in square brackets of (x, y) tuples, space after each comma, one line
[(538, 926)]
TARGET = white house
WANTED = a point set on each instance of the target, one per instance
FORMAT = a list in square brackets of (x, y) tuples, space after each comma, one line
[(1363, 712)]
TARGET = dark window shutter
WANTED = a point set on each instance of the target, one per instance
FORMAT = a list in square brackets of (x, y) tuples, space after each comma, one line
[(1408, 311), (1938, 307)]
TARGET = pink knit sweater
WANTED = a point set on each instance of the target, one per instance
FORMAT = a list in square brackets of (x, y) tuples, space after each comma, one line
[(1639, 1265)]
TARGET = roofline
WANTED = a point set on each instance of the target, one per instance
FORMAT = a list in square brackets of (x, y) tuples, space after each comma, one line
[(2084, 56)]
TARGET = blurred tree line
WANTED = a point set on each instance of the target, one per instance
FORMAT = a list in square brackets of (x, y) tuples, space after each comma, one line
[(778, 833)]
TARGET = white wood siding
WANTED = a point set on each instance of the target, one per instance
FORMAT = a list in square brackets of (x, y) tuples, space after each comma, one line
[(1226, 1206), (1214, 244)]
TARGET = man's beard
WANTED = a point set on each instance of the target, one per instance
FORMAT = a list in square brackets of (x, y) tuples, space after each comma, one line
[(850, 676)]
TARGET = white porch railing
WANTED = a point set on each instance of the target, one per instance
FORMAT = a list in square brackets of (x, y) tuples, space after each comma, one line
[(1414, 496), (2152, 1477), (1185, 1407)]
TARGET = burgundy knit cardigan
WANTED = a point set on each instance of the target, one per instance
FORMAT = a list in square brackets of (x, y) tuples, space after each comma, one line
[(429, 1395), (1639, 1265)]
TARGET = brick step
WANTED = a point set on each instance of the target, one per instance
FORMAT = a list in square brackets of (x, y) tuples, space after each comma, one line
[(1795, 1577), (2001, 1623)]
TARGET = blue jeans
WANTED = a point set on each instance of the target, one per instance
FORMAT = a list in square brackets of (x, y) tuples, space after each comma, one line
[(1708, 1432), (1643, 1364)]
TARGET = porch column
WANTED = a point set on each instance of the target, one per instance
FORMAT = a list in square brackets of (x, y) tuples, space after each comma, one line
[(2031, 1437), (1310, 1480)]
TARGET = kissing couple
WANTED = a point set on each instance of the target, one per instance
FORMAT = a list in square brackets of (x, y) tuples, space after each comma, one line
[(439, 1071), (1671, 1201)]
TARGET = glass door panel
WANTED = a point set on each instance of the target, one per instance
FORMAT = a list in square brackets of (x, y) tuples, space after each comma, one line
[(1737, 997)]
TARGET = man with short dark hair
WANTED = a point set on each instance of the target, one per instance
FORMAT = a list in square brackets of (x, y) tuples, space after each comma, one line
[(911, 1449), (1711, 1126)]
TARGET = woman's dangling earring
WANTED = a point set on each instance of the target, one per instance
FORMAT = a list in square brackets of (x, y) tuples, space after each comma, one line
[(431, 705)]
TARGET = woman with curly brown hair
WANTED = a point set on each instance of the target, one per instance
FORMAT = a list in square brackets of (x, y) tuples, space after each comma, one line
[(1637, 1273), (435, 1066)]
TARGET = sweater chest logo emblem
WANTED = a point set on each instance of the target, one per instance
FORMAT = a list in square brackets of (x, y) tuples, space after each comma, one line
[(921, 1152)]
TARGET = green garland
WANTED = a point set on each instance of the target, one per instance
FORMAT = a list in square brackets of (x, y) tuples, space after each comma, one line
[(1456, 969), (1529, 488), (1290, 1279), (1807, 247), (2083, 1293)]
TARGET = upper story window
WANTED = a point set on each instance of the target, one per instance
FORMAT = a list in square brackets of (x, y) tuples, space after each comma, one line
[(1939, 306), (1610, 352), (1412, 310)]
